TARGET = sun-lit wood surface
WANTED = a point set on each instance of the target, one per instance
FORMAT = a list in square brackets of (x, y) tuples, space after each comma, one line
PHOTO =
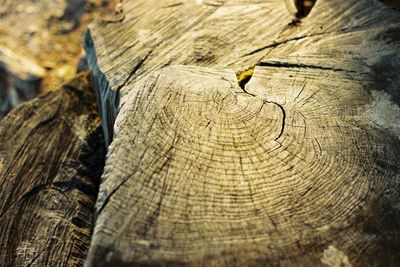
[(296, 166)]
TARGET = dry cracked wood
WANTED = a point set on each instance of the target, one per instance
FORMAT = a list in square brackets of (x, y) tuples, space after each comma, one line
[(154, 34), (354, 35), (297, 168), (203, 173), (50, 162)]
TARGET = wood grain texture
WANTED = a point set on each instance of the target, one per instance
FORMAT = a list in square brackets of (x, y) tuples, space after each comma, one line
[(201, 173), (361, 36), (50, 161), (154, 34), (297, 168), (355, 37)]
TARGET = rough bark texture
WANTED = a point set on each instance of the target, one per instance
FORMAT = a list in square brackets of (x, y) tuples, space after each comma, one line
[(51, 158), (40, 45)]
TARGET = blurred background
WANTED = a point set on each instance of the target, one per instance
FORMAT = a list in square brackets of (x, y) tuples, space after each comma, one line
[(41, 44)]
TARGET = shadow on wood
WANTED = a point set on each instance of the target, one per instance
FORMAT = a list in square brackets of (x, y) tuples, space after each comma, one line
[(51, 158)]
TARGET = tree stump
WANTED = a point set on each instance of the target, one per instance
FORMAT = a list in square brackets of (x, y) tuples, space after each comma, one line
[(51, 159), (280, 147)]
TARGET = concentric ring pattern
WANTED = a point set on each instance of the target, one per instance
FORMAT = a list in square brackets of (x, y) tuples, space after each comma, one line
[(201, 171)]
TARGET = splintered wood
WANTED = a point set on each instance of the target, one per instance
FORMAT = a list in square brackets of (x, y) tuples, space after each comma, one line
[(298, 166)]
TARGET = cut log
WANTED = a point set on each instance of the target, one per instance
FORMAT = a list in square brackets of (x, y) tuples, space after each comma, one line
[(202, 173), (355, 35), (51, 158), (297, 166), (154, 34)]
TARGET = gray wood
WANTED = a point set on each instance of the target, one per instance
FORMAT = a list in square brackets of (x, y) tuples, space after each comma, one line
[(51, 158), (298, 167)]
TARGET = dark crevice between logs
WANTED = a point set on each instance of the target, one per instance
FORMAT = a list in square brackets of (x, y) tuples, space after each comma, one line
[(385, 72), (54, 170), (107, 99), (5, 103), (92, 160)]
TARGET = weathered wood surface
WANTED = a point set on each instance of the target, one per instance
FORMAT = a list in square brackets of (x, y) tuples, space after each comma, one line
[(298, 167), (50, 162), (354, 35), (40, 45), (202, 173), (154, 34)]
